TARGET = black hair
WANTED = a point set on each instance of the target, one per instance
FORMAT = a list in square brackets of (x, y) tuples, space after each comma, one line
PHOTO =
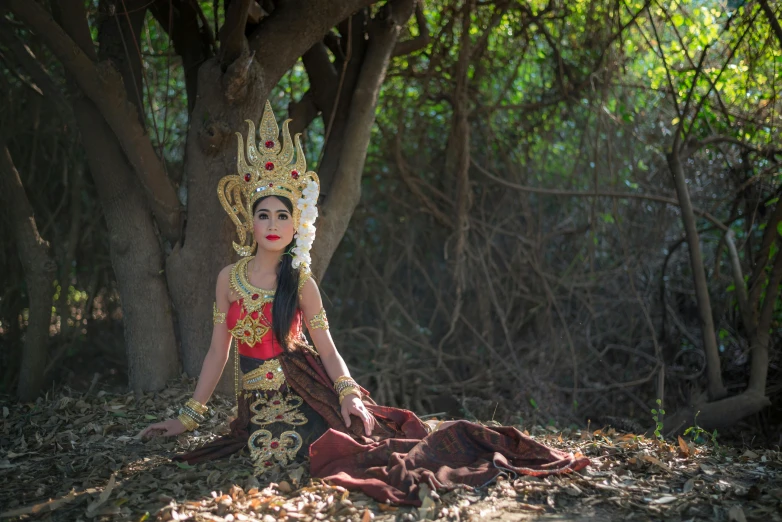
[(286, 296)]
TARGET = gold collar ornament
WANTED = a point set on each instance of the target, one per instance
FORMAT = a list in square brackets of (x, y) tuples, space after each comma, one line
[(253, 298), (269, 169)]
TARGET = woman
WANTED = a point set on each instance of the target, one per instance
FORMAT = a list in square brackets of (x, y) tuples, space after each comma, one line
[(295, 401)]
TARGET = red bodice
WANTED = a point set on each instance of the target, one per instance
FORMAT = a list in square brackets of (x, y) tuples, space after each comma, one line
[(268, 346)]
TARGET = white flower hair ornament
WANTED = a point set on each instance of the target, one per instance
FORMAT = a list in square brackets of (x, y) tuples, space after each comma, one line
[(269, 169)]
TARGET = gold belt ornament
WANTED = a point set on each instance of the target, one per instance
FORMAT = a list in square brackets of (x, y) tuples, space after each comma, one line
[(267, 376)]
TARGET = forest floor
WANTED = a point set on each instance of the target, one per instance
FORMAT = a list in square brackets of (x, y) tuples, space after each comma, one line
[(75, 456)]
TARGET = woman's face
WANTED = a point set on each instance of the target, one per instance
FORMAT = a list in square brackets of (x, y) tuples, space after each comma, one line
[(272, 225)]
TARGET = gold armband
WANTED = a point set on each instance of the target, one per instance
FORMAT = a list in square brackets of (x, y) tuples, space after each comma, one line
[(218, 317), (319, 321)]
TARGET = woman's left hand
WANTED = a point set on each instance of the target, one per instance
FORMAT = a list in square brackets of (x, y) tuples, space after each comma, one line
[(352, 405)]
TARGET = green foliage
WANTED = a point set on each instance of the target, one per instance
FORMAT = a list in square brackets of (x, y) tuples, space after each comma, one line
[(701, 436), (657, 416)]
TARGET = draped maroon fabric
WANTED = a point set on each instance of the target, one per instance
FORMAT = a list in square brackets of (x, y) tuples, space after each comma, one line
[(399, 455), (392, 470)]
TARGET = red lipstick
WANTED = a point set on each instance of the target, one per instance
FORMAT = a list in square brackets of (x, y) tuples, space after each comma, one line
[(272, 237)]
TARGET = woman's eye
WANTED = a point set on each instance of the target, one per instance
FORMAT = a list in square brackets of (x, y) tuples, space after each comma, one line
[(263, 216), (283, 216)]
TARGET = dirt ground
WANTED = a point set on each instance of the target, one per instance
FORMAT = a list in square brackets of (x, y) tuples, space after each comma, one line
[(75, 456)]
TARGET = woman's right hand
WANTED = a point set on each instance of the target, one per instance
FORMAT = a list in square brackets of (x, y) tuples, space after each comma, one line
[(168, 428)]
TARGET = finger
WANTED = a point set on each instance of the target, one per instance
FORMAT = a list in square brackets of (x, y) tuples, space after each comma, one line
[(367, 424), (145, 432), (346, 417)]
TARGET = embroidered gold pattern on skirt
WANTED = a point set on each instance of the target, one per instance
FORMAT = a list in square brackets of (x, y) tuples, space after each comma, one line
[(278, 408), (270, 405), (264, 449)]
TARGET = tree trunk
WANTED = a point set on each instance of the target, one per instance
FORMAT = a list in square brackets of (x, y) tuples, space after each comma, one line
[(715, 387), (135, 256), (119, 28), (345, 192), (761, 336), (39, 270), (332, 87), (135, 252), (715, 415), (225, 101)]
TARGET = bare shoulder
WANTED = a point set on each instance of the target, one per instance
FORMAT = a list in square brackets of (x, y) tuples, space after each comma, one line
[(308, 289), (223, 282), (225, 274)]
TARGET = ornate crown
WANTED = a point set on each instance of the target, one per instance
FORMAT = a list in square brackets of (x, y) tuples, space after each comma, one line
[(271, 171)]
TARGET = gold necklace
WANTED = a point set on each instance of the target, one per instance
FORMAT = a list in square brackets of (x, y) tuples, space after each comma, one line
[(253, 298), (248, 329)]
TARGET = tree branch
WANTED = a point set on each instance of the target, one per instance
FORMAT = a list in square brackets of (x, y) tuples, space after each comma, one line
[(772, 19), (420, 41), (302, 112), (741, 287), (27, 60), (293, 28), (102, 84), (694, 145), (233, 43), (414, 187), (192, 41), (323, 77), (608, 194)]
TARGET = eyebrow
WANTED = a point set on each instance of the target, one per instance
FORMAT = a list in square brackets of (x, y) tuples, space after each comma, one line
[(284, 211)]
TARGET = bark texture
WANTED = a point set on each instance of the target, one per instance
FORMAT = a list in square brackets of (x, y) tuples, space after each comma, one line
[(135, 253), (39, 270), (192, 267), (716, 388)]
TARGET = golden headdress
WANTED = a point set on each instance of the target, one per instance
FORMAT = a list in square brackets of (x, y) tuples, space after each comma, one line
[(270, 170)]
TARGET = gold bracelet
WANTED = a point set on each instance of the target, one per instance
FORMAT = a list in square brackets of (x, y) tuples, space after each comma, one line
[(319, 321), (218, 317), (348, 391), (187, 422), (344, 385), (343, 381), (197, 406)]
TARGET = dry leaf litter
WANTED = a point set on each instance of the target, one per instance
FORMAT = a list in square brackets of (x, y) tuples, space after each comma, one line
[(76, 457)]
